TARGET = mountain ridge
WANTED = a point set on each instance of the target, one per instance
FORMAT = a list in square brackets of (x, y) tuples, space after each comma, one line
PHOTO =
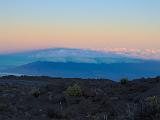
[(63, 55), (89, 70)]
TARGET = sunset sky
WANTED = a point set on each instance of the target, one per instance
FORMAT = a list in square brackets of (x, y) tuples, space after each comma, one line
[(93, 24)]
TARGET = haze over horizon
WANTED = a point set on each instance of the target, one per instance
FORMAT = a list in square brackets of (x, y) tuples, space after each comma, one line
[(107, 25)]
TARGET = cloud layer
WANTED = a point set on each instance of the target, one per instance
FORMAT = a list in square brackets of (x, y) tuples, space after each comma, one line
[(138, 53)]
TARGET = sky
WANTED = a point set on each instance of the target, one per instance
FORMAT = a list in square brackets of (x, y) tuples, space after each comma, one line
[(91, 24)]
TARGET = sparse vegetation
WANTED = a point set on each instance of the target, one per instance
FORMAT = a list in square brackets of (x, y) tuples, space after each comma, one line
[(74, 90), (152, 101), (35, 92), (83, 100), (4, 107), (149, 109), (124, 81)]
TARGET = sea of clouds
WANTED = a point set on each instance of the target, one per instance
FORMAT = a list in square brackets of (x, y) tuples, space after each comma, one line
[(137, 53)]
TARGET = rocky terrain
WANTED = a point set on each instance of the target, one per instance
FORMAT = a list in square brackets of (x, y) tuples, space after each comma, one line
[(44, 98)]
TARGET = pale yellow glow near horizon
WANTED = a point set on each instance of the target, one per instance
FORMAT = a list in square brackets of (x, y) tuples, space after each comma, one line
[(19, 37)]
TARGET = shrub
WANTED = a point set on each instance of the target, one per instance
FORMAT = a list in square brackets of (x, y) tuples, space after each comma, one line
[(152, 100), (4, 107), (96, 118), (150, 109), (54, 113), (124, 81), (158, 79), (74, 90), (35, 92)]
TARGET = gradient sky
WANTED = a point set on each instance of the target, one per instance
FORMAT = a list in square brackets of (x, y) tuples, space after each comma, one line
[(95, 24)]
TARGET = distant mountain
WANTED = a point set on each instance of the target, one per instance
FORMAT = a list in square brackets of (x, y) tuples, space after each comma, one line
[(63, 55), (113, 71), (66, 62)]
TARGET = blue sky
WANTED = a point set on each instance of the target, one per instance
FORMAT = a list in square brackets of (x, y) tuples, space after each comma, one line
[(70, 9)]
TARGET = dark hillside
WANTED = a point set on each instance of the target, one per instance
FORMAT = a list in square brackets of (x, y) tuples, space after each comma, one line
[(45, 98)]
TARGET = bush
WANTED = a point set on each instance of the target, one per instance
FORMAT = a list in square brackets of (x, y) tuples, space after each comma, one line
[(152, 101), (150, 109), (74, 90), (124, 81), (158, 79), (4, 107), (35, 92), (56, 113)]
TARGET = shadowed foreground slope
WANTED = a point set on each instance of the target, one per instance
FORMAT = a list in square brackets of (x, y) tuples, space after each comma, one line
[(44, 98)]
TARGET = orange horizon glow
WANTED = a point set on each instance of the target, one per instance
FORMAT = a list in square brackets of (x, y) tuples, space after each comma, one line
[(30, 37)]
